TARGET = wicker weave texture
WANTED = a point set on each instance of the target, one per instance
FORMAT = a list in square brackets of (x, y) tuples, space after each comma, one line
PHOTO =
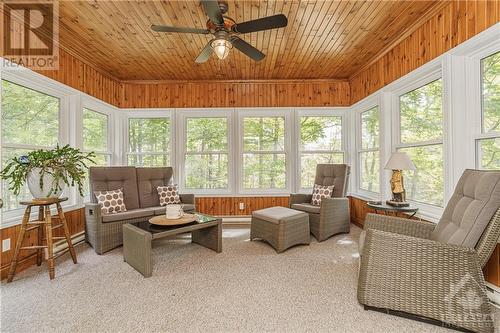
[(282, 235)]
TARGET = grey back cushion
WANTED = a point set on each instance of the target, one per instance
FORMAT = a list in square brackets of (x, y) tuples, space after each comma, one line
[(470, 209), (112, 178), (148, 180), (333, 174)]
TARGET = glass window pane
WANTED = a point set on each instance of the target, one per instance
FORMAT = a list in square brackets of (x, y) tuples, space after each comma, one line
[(206, 171), (28, 116), (95, 131), (370, 129), (490, 68), (206, 134), (308, 164), (426, 184), (149, 135), (149, 160), (489, 154), (264, 171), (321, 133), (421, 113), (369, 171), (264, 134), (10, 201)]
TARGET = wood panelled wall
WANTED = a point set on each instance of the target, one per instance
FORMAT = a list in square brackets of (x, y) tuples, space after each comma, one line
[(491, 271), (291, 93), (229, 206), (454, 24), (76, 224)]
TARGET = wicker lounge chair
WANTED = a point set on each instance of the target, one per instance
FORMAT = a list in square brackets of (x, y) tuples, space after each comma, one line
[(104, 232), (332, 217), (434, 272)]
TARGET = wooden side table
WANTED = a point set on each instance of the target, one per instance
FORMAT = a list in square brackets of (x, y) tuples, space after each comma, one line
[(44, 219), (411, 211)]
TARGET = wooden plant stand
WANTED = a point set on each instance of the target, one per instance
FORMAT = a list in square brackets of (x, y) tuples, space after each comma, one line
[(44, 219)]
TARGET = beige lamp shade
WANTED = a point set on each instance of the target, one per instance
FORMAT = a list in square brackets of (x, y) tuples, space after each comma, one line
[(400, 161)]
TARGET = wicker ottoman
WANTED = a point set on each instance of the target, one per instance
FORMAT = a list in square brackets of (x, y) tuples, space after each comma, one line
[(281, 227)]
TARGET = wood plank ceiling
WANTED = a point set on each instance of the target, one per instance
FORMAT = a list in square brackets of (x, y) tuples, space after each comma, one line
[(323, 39)]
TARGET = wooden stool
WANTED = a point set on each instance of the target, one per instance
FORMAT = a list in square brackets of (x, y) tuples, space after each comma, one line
[(44, 218)]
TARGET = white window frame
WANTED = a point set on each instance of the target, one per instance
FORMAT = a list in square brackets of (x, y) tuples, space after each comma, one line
[(146, 114), (99, 107), (288, 115), (316, 112), (359, 111), (181, 125), (429, 73), (475, 101), (40, 83)]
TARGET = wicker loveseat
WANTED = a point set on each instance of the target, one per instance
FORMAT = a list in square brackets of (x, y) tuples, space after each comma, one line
[(104, 232), (332, 217), (435, 271)]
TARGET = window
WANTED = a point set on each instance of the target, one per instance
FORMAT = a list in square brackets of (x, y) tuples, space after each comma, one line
[(149, 142), (264, 154), (421, 136), (30, 121), (369, 151), (206, 157), (320, 142), (488, 146), (95, 139)]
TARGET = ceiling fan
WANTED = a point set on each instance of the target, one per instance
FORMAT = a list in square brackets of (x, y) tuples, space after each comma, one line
[(225, 31)]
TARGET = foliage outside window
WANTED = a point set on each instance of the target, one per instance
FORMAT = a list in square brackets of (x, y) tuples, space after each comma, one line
[(95, 138), (488, 147), (264, 156), (30, 121), (149, 142), (206, 159), (369, 151), (320, 142), (421, 136)]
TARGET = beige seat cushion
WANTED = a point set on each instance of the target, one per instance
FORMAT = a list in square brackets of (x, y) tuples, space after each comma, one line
[(128, 215), (470, 209), (305, 207), (148, 180), (112, 178), (276, 214)]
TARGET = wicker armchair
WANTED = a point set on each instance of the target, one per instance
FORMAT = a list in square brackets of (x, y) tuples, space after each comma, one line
[(332, 217), (434, 272)]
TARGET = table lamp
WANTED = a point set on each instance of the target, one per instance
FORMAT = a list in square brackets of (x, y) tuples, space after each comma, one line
[(398, 162)]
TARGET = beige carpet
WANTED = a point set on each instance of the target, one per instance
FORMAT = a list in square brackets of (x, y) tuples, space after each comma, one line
[(246, 288)]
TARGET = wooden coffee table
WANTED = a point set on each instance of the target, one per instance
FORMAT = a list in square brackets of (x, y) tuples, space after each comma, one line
[(138, 238)]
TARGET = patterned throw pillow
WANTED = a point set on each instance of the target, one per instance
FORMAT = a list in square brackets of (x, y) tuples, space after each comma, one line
[(168, 194), (111, 201), (320, 192)]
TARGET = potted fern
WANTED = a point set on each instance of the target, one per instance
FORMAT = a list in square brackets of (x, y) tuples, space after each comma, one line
[(48, 172)]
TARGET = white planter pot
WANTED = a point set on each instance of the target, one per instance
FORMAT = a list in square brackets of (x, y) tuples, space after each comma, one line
[(38, 192)]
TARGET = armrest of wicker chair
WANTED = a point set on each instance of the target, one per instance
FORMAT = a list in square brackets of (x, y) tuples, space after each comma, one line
[(93, 222), (297, 198), (425, 278), (334, 207), (399, 225), (187, 198)]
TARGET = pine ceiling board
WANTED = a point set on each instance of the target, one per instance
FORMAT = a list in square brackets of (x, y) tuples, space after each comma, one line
[(324, 39)]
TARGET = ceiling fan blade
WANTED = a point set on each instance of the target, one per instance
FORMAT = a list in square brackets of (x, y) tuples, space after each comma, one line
[(212, 10), (205, 54), (265, 23), (165, 28), (247, 49)]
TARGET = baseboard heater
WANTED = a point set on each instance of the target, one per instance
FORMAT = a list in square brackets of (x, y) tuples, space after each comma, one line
[(61, 246)]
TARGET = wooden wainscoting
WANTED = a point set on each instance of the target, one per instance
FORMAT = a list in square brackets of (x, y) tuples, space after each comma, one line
[(491, 271), (76, 224), (229, 206)]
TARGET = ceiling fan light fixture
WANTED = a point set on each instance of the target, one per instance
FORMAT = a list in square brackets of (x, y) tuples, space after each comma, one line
[(221, 48)]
